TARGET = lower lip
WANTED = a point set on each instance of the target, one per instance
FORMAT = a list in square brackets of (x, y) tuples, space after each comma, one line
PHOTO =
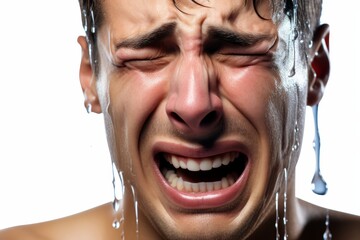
[(205, 200)]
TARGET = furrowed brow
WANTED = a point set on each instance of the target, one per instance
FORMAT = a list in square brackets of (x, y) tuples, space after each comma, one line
[(223, 35), (148, 39)]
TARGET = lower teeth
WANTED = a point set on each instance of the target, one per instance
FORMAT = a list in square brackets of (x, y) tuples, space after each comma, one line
[(181, 185)]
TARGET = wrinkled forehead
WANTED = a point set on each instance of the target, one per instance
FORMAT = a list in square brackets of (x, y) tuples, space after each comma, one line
[(126, 18)]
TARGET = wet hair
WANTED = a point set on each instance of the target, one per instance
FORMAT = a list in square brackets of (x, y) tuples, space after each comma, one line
[(308, 18)]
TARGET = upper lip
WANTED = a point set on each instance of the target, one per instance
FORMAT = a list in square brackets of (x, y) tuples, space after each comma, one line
[(198, 152)]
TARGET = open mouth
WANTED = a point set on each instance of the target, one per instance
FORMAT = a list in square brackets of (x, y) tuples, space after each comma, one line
[(201, 175)]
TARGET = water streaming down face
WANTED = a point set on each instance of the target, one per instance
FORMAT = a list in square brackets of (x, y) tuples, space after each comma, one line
[(136, 210), (285, 220), (327, 234), (284, 176), (293, 38), (119, 194), (319, 185), (291, 12), (103, 88), (119, 189), (277, 215)]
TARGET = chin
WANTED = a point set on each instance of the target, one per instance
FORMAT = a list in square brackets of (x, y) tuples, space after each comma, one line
[(204, 227), (235, 220)]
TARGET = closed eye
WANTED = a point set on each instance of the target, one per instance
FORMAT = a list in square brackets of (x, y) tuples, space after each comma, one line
[(238, 60), (144, 64), (243, 54), (146, 59)]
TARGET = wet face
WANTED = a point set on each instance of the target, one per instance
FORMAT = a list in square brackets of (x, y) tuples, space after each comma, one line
[(196, 106)]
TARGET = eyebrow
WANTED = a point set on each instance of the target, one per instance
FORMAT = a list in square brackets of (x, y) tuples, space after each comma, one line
[(219, 34), (148, 39)]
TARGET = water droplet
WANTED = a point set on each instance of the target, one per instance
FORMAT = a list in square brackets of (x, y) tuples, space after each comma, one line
[(118, 183), (116, 205), (319, 184), (89, 108), (295, 34), (296, 144), (292, 71), (327, 235), (92, 20), (85, 20), (116, 224), (311, 43)]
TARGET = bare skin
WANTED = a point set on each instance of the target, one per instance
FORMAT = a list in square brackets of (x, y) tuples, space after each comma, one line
[(199, 86), (95, 224)]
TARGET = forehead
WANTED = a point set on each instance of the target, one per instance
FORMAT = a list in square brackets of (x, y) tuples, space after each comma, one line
[(123, 18)]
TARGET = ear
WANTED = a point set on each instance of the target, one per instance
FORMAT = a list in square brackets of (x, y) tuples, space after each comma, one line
[(319, 68), (88, 79)]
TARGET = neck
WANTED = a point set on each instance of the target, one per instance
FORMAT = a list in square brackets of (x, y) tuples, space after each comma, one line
[(137, 226), (296, 217)]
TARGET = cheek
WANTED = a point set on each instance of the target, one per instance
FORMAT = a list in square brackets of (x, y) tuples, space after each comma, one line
[(133, 98), (249, 90)]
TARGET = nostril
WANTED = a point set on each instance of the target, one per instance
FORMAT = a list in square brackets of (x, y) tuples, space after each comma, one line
[(209, 119), (176, 117)]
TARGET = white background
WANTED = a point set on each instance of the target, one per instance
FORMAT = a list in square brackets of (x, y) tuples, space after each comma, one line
[(53, 155)]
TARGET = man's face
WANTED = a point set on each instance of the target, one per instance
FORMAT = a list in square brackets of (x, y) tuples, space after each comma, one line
[(195, 108)]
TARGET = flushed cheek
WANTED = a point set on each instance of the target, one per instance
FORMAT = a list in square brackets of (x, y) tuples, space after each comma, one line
[(249, 90), (134, 97)]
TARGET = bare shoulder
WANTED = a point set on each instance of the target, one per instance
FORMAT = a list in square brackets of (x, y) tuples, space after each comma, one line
[(341, 225), (91, 224), (344, 226)]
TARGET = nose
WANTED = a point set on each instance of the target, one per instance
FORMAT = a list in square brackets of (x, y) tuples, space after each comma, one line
[(193, 105)]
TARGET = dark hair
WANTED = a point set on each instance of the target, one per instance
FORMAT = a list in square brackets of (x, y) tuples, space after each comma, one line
[(91, 17), (308, 18)]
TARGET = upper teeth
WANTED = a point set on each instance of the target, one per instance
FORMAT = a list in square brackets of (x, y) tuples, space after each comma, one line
[(204, 164)]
